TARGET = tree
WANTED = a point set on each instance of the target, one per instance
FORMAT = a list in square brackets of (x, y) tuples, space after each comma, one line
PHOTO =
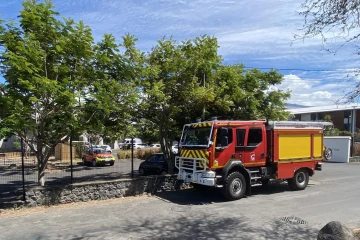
[(332, 20), (58, 83), (187, 80), (173, 91), (248, 94)]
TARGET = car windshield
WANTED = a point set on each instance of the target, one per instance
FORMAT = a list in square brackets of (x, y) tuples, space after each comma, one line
[(196, 136), (98, 150)]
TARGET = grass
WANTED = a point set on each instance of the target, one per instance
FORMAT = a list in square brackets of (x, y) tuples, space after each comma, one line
[(138, 153)]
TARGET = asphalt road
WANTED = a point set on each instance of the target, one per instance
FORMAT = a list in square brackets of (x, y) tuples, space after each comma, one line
[(273, 212)]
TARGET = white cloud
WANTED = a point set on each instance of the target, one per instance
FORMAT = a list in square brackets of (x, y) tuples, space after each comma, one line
[(313, 92)]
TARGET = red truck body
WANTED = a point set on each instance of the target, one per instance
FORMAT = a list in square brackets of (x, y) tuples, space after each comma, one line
[(213, 152)]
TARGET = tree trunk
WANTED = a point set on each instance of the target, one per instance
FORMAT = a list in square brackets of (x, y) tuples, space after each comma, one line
[(165, 143), (42, 155)]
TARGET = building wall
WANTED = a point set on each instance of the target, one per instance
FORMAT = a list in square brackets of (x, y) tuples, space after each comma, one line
[(306, 117), (337, 119), (7, 144)]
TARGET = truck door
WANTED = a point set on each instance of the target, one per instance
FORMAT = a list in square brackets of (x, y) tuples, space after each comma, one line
[(224, 153), (255, 147), (240, 143)]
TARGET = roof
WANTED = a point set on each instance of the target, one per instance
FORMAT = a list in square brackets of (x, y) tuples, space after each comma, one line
[(297, 125), (332, 108)]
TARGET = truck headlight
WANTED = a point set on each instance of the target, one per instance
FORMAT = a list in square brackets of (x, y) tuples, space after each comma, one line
[(208, 174)]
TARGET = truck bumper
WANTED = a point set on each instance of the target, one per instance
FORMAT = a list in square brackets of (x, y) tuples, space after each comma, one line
[(318, 166), (203, 178)]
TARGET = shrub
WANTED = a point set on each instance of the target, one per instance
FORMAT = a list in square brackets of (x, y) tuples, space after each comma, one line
[(356, 149), (138, 153)]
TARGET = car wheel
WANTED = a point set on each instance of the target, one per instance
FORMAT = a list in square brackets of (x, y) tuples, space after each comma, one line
[(141, 172), (299, 181), (328, 153), (93, 163), (112, 163), (235, 186)]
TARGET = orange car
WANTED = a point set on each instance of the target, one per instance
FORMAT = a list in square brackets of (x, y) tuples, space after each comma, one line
[(97, 156)]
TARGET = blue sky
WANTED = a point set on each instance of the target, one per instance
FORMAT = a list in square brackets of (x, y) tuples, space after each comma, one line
[(257, 33)]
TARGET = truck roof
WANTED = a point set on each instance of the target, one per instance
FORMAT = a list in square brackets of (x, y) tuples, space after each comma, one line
[(269, 124)]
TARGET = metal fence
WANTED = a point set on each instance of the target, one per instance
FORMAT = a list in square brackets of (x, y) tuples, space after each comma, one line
[(19, 170)]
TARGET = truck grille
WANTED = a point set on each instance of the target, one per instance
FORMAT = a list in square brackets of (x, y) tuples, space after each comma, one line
[(190, 164)]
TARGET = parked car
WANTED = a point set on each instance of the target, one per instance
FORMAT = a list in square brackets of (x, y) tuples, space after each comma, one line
[(155, 164), (126, 143), (140, 145), (175, 149), (156, 145), (97, 156), (106, 147)]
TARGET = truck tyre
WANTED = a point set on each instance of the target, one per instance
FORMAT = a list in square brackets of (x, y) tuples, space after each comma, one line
[(235, 186), (299, 181)]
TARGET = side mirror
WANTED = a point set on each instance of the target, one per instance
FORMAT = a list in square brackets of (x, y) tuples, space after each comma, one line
[(224, 136), (223, 131), (224, 141)]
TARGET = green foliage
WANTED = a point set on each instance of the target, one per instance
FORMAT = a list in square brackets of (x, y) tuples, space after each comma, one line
[(138, 153), (17, 145), (186, 80), (59, 83)]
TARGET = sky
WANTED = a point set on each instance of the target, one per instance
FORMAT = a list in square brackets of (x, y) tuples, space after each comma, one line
[(257, 33)]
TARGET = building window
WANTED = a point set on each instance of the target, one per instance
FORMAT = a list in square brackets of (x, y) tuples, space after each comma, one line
[(320, 116), (313, 116), (297, 117), (347, 120)]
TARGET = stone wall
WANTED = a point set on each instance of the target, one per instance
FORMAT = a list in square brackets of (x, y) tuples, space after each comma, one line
[(51, 195)]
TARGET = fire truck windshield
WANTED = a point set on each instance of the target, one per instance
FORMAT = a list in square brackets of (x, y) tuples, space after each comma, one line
[(196, 136)]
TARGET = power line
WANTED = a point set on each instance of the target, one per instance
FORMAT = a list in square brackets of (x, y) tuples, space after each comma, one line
[(305, 70)]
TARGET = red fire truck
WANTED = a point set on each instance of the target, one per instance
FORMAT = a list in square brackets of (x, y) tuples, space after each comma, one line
[(237, 155)]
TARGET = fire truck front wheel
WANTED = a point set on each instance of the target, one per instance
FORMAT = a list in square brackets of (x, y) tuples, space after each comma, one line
[(300, 180), (235, 186)]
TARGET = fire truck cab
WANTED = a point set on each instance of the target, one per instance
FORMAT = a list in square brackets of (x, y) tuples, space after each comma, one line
[(237, 155)]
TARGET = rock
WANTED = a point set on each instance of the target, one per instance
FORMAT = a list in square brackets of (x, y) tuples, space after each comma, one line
[(336, 231)]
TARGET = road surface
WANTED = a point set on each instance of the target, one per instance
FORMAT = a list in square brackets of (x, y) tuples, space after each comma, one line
[(273, 212)]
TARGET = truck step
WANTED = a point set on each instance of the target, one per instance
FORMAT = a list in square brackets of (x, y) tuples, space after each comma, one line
[(255, 171), (255, 178), (256, 184)]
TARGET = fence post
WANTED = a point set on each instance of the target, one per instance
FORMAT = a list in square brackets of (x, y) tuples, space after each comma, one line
[(132, 157), (71, 161), (23, 169)]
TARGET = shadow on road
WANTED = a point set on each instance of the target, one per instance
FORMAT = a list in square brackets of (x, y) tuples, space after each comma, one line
[(213, 195), (196, 226)]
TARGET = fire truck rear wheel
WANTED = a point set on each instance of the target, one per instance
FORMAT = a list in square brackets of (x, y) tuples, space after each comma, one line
[(299, 181), (235, 186)]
